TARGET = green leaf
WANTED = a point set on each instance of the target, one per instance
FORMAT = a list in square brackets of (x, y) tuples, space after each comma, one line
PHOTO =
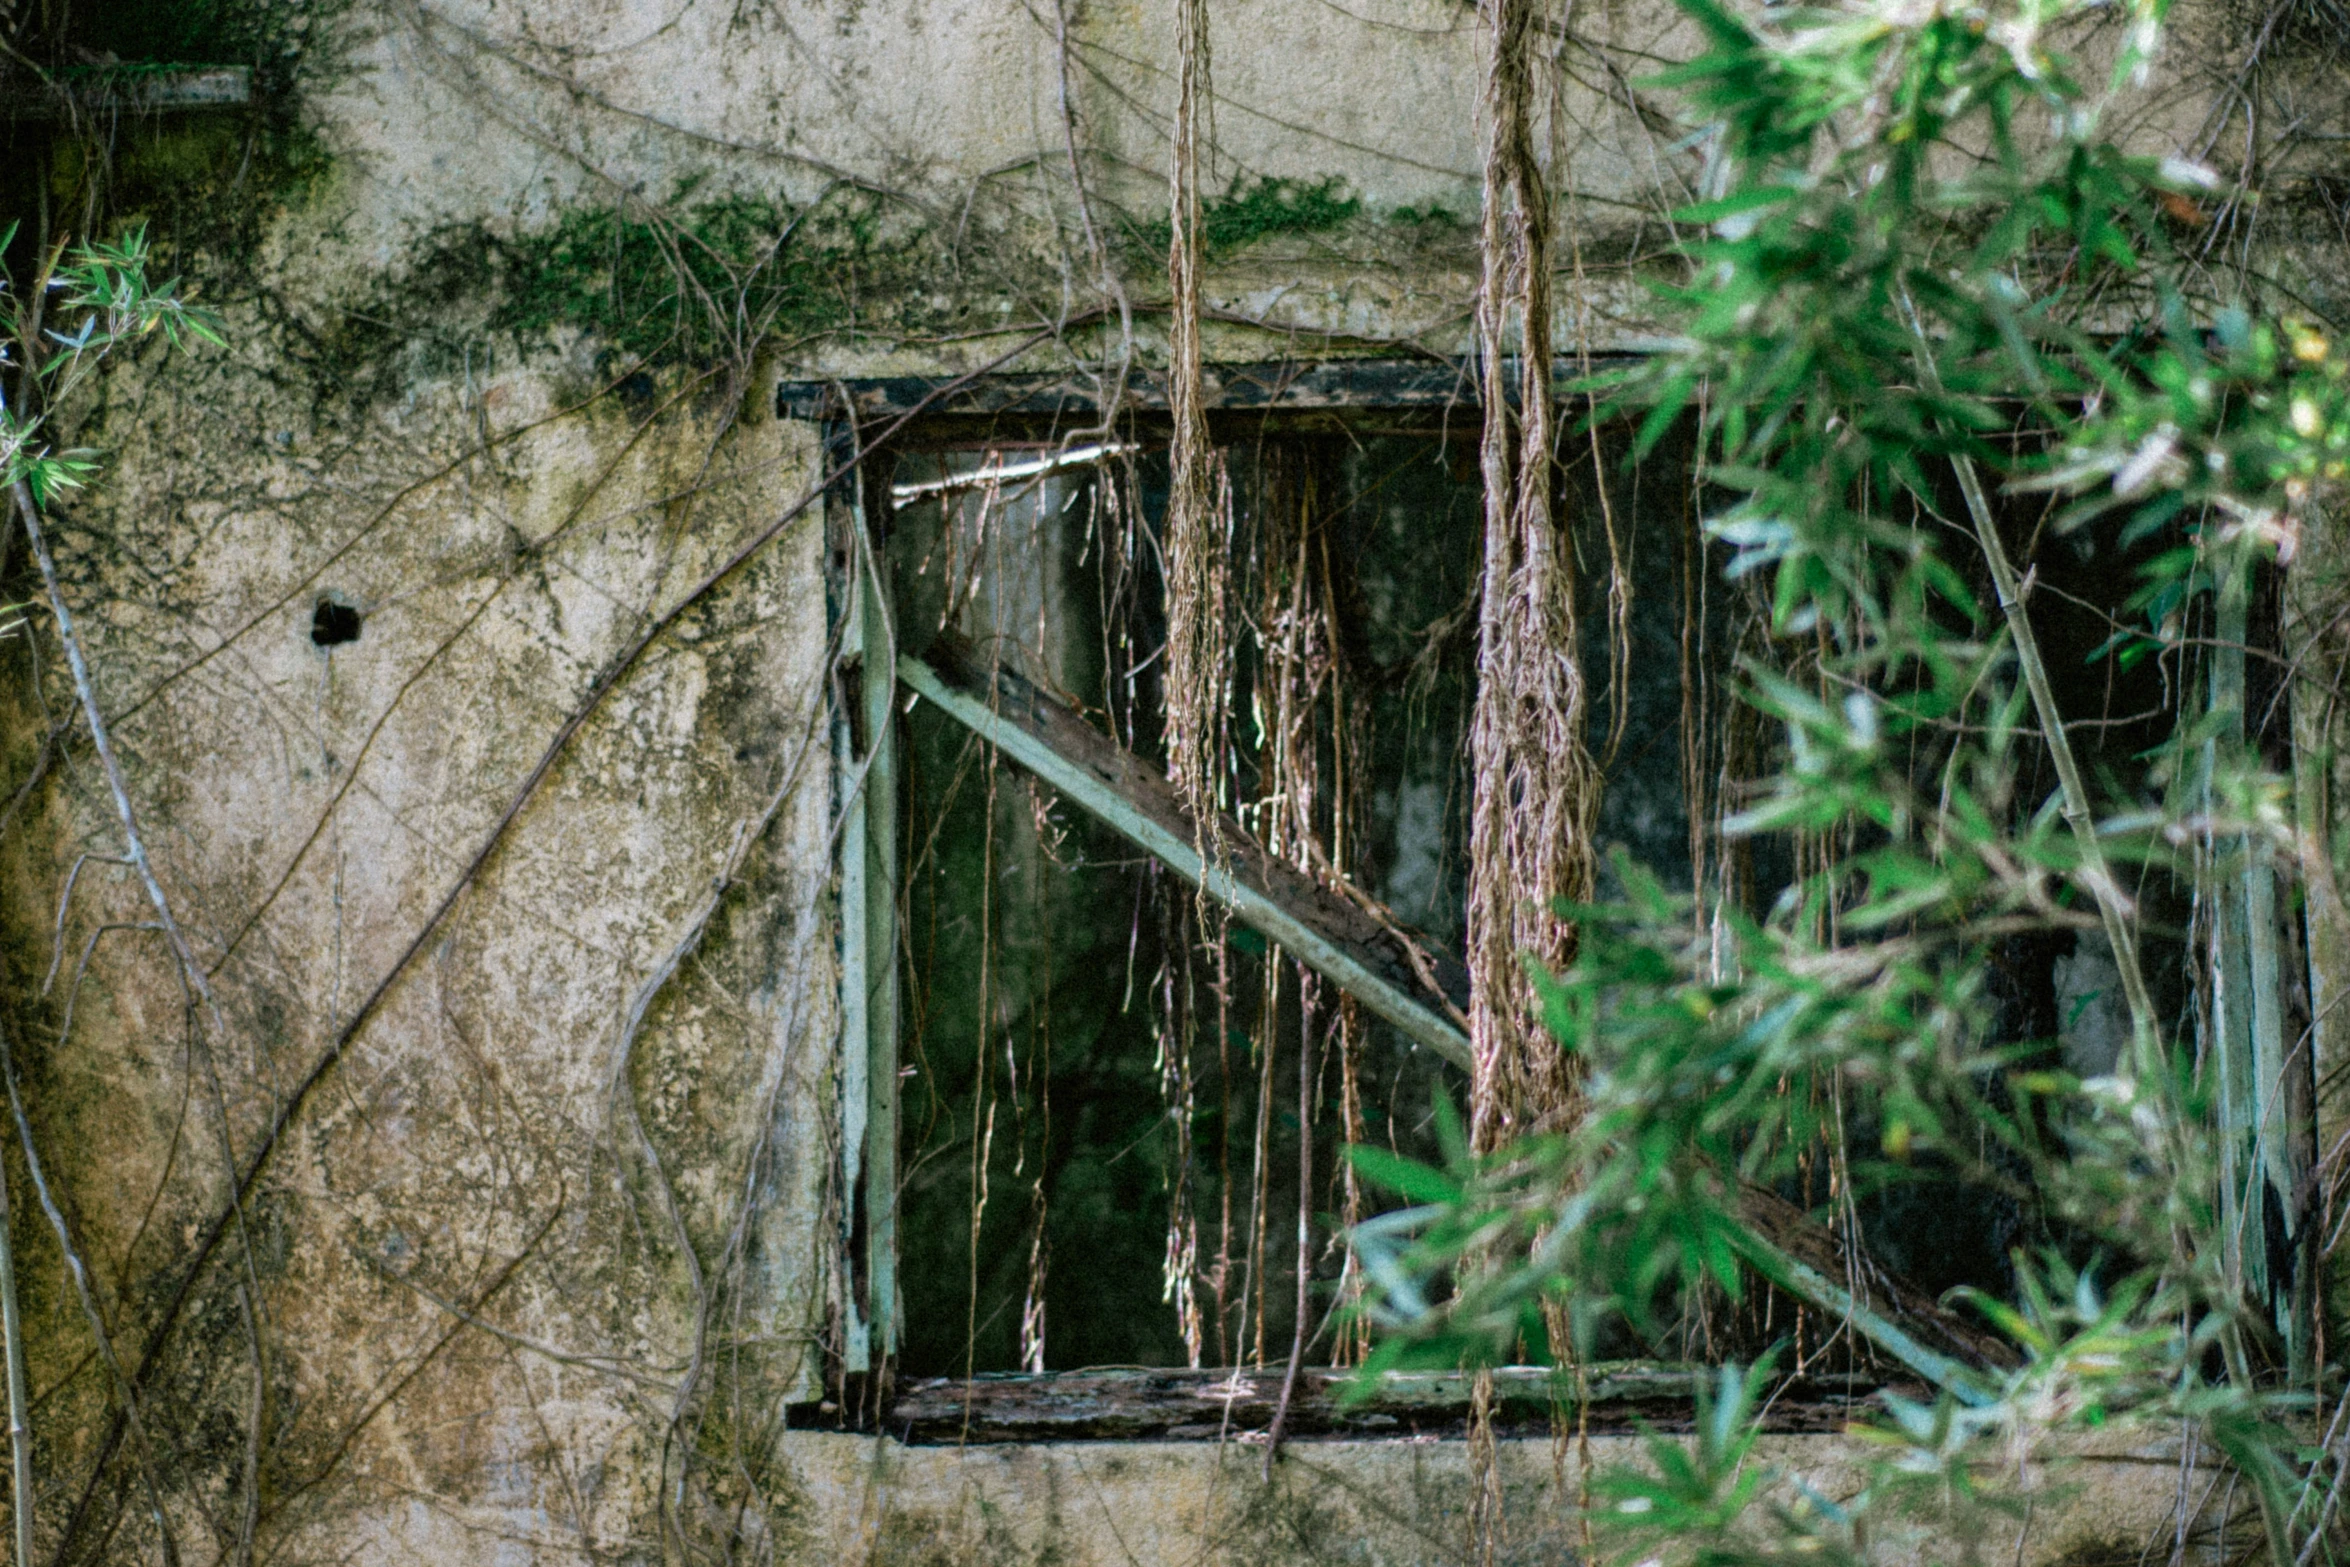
[(1407, 1177), (1752, 199)]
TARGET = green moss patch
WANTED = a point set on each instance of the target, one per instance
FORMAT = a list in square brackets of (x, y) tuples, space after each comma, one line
[(1247, 213), (699, 281), (689, 283)]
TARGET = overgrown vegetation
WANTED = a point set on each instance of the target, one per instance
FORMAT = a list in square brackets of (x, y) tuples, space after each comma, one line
[(686, 284), (205, 182), (725, 271), (1848, 379), (79, 306), (698, 278), (1892, 345)]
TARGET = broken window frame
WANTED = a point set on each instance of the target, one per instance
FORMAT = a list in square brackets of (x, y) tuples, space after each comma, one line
[(1030, 731)]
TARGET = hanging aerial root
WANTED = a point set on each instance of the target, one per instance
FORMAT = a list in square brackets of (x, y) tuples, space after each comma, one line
[(1531, 823), (1199, 506)]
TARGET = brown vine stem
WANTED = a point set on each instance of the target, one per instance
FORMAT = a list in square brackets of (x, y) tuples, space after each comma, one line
[(1197, 565), (1114, 392), (531, 553), (77, 1271), (606, 681), (748, 833), (191, 972), (20, 1435), (384, 1397), (422, 19)]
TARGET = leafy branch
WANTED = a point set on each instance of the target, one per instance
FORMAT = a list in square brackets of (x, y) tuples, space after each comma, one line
[(1900, 292)]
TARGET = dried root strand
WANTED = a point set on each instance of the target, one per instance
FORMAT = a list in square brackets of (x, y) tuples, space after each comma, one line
[(1531, 822), (1199, 501)]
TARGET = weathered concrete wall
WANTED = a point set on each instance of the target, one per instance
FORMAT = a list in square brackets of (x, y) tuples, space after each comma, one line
[(1392, 1504), (503, 114), (504, 1284), (480, 1289)]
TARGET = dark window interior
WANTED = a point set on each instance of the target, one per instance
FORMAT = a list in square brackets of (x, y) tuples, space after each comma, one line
[(1101, 1109)]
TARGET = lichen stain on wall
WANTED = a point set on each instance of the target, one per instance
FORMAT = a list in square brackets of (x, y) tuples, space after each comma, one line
[(481, 1294)]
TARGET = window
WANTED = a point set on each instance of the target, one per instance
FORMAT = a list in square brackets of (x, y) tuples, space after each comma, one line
[(1092, 1114), (1104, 1068)]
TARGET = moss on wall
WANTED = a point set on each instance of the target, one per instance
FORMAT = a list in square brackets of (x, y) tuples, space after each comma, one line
[(693, 283), (208, 181), (704, 277), (1249, 212)]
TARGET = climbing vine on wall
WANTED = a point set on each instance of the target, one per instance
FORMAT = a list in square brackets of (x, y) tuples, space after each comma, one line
[(677, 294)]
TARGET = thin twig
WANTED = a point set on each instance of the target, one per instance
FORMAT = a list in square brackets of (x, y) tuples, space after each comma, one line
[(84, 1293), (20, 1435), (57, 940), (103, 743)]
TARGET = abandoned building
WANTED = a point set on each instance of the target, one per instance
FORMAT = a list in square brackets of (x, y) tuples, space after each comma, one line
[(694, 1021)]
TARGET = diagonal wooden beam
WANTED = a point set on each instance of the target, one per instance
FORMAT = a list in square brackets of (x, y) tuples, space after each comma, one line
[(1350, 949), (1043, 736)]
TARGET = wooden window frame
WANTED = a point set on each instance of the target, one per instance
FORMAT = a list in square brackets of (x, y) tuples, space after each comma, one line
[(1031, 731)]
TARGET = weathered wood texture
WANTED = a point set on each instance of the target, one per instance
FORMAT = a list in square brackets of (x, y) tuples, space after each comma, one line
[(1429, 383), (107, 92), (1129, 1404), (1148, 793)]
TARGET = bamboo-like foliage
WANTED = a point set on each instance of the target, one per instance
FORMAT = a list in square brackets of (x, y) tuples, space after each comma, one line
[(1899, 348)]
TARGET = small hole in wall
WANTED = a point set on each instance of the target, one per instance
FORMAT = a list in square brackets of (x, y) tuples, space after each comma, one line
[(333, 624)]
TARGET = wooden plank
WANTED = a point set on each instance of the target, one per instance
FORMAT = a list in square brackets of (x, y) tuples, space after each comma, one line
[(858, 1040), (2265, 1146), (1047, 739), (865, 772), (133, 90), (1430, 383), (1174, 1405), (878, 692)]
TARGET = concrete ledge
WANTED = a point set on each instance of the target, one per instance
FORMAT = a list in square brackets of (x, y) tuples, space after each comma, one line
[(874, 1502)]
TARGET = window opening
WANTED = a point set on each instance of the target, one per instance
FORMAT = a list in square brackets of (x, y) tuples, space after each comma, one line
[(1113, 1176), (1103, 1113)]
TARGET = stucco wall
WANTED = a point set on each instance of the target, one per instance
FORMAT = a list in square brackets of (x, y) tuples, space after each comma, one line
[(478, 1289), (503, 113)]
